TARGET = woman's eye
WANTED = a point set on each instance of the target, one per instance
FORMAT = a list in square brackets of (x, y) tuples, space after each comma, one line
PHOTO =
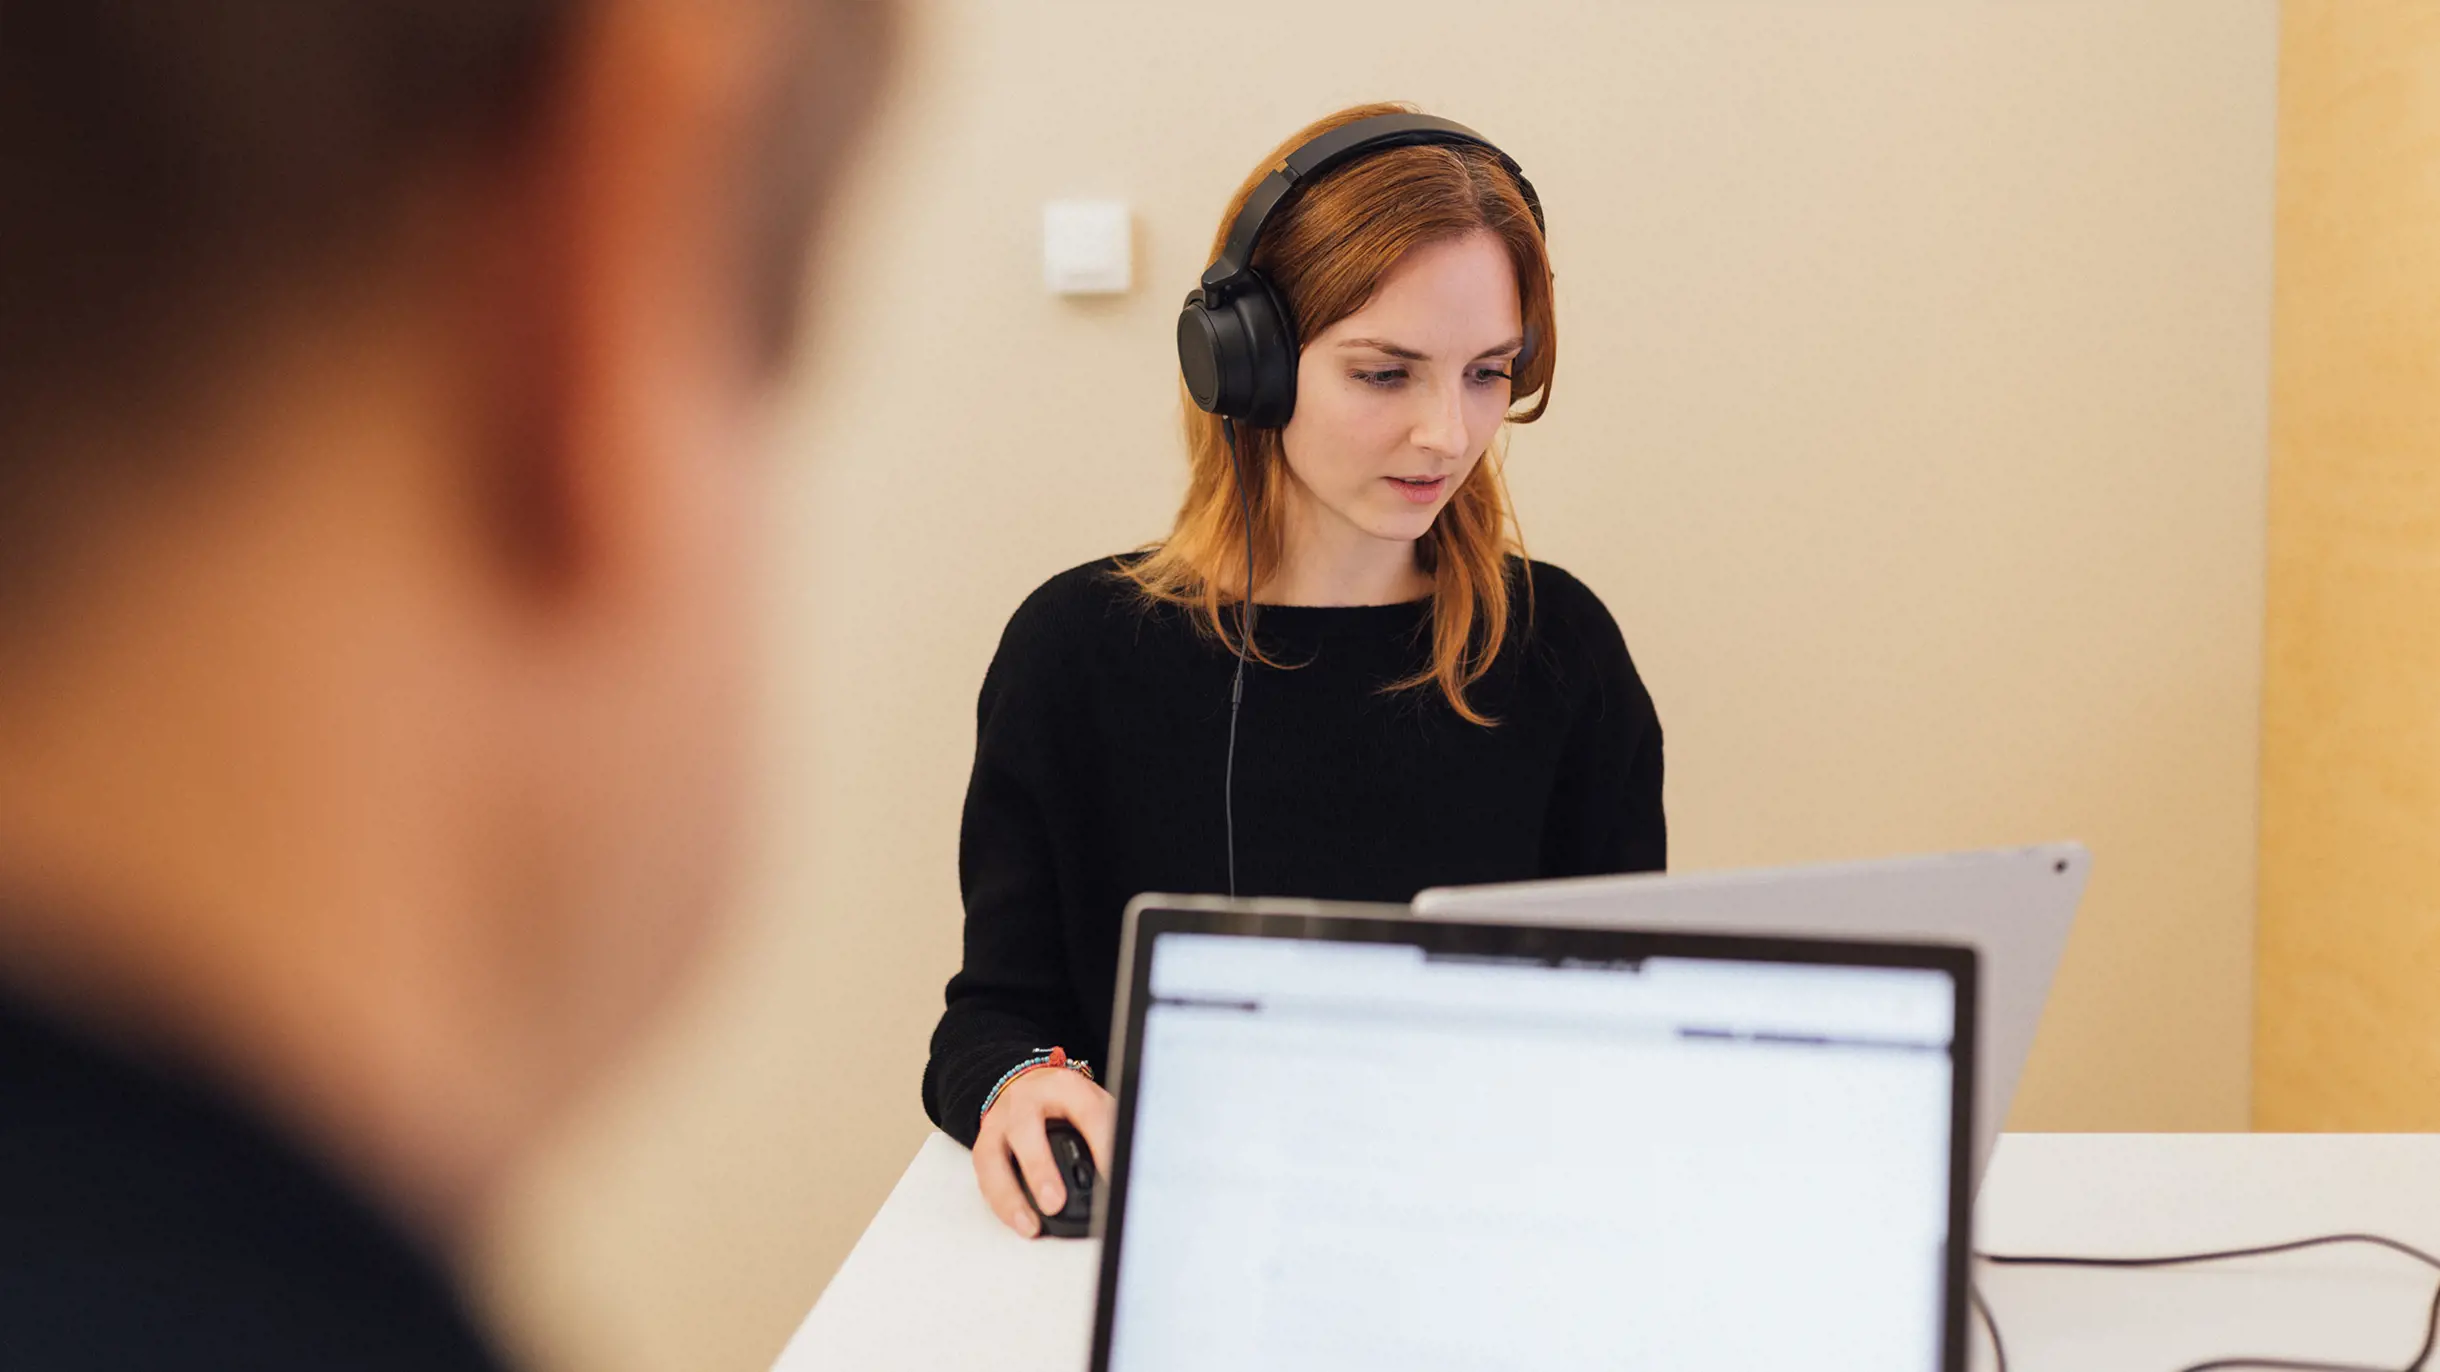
[(1387, 378), (1487, 376)]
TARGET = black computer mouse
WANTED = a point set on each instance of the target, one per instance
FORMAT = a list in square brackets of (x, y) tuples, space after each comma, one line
[(1075, 1162)]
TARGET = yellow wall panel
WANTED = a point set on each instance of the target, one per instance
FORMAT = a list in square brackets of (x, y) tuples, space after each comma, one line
[(2348, 965)]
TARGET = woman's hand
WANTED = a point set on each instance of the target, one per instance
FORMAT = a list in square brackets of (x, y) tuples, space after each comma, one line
[(1014, 1126)]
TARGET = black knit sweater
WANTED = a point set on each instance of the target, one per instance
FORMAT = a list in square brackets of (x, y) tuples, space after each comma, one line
[(1098, 775)]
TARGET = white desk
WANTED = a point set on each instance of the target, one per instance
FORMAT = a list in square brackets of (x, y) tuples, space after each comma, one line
[(936, 1282)]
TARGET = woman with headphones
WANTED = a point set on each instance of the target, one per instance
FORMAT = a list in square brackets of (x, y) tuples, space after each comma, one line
[(1416, 704)]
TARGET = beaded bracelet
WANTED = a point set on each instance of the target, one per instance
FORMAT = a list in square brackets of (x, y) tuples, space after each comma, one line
[(1046, 1057)]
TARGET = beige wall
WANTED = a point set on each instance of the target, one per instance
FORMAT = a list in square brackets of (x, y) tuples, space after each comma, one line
[(2349, 1033), (1911, 420)]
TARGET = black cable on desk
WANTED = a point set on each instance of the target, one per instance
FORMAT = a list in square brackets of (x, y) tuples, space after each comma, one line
[(1999, 1351), (2431, 1323)]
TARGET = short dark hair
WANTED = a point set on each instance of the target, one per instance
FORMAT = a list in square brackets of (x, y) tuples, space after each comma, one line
[(165, 163), (158, 156)]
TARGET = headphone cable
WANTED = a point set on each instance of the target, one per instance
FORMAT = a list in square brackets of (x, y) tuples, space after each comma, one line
[(1245, 641)]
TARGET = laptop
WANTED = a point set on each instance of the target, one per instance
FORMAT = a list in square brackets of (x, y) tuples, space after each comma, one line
[(1350, 1139), (2013, 906)]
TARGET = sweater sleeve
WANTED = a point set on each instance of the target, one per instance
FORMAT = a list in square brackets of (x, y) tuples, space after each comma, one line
[(1014, 995), (1605, 813)]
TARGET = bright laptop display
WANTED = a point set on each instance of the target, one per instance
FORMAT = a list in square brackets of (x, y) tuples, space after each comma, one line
[(1353, 1143)]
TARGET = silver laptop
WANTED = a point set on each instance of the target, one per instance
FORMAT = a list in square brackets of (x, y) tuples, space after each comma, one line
[(1353, 1139), (2014, 907)]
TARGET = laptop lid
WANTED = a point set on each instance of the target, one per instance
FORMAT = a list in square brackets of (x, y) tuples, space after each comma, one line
[(2014, 907), (1355, 1142)]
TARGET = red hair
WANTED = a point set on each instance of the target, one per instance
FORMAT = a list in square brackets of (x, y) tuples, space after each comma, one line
[(1327, 251)]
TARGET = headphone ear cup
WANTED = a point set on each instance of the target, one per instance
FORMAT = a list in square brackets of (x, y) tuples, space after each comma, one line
[(1270, 336), (1239, 357), (1212, 357)]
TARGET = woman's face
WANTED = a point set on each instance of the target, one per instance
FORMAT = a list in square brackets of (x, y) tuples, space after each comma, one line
[(1396, 402)]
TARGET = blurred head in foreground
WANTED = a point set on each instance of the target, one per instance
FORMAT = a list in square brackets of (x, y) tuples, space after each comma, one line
[(381, 387)]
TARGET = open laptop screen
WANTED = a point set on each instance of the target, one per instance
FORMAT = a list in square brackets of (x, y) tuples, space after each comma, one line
[(1363, 1143)]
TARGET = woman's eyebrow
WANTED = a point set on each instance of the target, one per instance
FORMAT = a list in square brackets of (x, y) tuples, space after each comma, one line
[(1383, 345), (1407, 354)]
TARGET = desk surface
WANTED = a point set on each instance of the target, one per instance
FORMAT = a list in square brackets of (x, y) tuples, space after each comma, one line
[(938, 1282)]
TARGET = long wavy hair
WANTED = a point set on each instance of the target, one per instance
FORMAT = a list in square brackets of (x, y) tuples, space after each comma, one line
[(1327, 251)]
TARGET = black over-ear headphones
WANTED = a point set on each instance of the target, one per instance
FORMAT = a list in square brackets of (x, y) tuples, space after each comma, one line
[(1237, 344)]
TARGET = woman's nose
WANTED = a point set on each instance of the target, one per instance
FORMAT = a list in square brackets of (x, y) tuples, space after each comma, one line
[(1441, 428)]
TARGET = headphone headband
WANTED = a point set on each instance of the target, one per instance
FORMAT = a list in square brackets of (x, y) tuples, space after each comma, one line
[(1325, 151)]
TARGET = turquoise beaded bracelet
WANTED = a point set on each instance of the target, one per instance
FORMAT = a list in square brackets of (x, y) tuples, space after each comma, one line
[(1046, 1057)]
